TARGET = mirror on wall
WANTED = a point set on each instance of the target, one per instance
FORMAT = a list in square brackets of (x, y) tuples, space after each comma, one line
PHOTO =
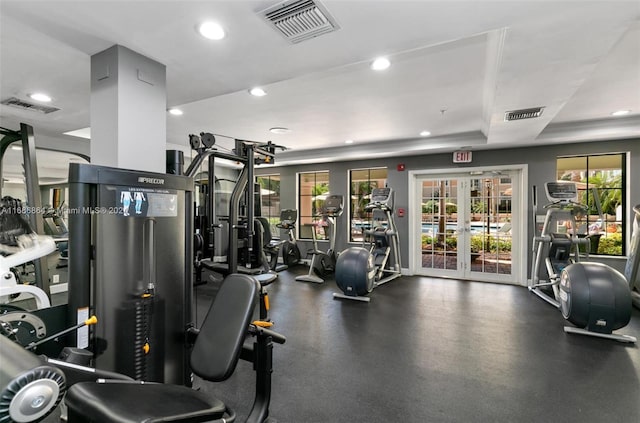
[(53, 169)]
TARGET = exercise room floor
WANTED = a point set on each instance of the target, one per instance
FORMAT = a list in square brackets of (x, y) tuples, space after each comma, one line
[(434, 350)]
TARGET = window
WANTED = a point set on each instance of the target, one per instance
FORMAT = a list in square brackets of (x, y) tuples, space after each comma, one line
[(601, 176), (313, 189), (362, 181), (270, 200)]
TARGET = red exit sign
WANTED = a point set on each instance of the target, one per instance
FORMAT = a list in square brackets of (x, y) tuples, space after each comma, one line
[(462, 156)]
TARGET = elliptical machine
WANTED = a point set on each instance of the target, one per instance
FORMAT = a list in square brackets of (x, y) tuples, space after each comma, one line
[(323, 263), (592, 296), (553, 250), (359, 269)]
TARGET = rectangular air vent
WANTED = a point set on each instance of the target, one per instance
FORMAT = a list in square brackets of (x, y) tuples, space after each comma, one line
[(25, 105), (300, 20), (523, 114)]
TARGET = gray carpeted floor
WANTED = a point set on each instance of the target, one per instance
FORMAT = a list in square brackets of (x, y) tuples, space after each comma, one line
[(434, 350)]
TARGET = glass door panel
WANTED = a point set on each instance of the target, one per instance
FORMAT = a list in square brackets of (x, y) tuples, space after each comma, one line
[(439, 226), (466, 226), (489, 228)]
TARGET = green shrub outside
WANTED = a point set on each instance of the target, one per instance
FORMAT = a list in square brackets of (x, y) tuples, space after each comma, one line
[(611, 245), (478, 243)]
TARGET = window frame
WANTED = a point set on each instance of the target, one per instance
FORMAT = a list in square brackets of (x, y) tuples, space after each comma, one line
[(356, 224), (588, 175), (304, 220), (275, 193)]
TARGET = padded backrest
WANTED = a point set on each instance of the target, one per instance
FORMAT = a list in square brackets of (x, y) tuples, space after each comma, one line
[(265, 230), (219, 343)]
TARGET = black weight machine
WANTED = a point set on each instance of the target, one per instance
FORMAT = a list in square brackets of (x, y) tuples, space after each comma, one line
[(110, 248), (31, 386), (25, 136), (245, 240)]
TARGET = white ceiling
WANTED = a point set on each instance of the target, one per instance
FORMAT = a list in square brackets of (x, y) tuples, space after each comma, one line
[(473, 59)]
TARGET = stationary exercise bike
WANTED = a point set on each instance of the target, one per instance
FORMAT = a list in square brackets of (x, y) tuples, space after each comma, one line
[(290, 250), (360, 269), (323, 263), (593, 296)]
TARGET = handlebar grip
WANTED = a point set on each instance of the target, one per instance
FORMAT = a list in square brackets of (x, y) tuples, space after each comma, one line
[(277, 338)]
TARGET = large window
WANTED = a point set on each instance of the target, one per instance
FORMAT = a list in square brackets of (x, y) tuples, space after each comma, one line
[(313, 190), (270, 200), (362, 181), (599, 177)]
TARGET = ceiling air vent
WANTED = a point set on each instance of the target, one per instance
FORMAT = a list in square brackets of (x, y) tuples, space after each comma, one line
[(523, 114), (25, 105), (300, 20)]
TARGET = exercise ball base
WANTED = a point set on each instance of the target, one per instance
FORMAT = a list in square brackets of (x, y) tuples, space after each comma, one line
[(309, 278), (620, 338), (350, 297)]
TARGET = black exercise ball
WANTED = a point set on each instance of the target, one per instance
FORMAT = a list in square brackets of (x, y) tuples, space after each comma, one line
[(595, 296), (355, 271)]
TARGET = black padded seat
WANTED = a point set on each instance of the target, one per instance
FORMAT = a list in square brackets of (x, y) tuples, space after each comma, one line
[(214, 357), (136, 402)]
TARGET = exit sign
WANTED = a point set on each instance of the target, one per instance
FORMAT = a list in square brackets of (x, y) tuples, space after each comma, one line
[(462, 156)]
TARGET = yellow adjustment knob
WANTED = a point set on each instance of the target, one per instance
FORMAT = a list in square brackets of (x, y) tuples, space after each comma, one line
[(146, 347), (91, 321), (263, 324)]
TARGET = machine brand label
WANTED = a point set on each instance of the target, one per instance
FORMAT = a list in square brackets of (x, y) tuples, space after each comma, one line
[(156, 181)]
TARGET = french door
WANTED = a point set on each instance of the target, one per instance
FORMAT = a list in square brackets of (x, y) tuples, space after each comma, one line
[(469, 225)]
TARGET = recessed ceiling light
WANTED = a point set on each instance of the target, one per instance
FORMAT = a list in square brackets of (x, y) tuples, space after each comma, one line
[(257, 92), (381, 63), (348, 142), (425, 133), (211, 30), (176, 112), (621, 113), (40, 97), (280, 130), (16, 147)]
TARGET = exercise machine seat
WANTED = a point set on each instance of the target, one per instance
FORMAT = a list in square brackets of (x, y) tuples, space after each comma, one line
[(136, 402), (214, 357)]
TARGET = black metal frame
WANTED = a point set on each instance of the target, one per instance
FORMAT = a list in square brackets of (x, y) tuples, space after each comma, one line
[(34, 199)]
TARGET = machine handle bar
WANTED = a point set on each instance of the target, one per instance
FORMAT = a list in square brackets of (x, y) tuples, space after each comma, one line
[(90, 321), (261, 331)]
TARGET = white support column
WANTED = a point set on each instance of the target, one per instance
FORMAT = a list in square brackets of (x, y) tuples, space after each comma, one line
[(128, 110)]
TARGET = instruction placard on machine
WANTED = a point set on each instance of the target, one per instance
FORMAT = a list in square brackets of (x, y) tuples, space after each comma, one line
[(145, 202)]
